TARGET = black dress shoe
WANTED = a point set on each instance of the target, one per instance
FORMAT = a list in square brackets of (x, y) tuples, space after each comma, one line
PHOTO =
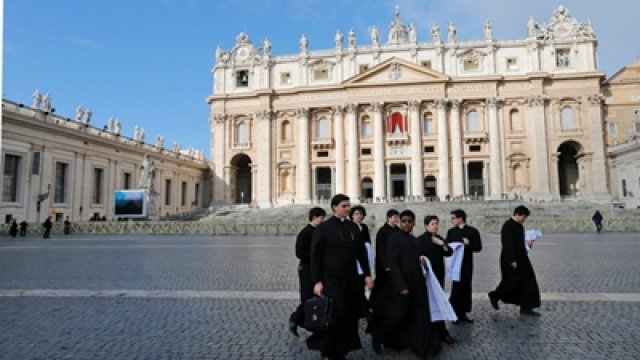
[(293, 328), (494, 300), (377, 347), (449, 340), (529, 312)]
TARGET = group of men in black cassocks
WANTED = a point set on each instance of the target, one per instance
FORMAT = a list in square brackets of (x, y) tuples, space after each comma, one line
[(398, 311)]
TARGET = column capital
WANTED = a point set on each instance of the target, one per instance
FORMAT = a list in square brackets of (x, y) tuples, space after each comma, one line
[(441, 103), (537, 100), (493, 102), (595, 99), (337, 109), (302, 111), (219, 118), (455, 104), (414, 105), (264, 114), (351, 108), (376, 106)]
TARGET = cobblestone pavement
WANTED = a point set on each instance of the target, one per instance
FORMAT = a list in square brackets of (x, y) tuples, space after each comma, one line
[(165, 297)]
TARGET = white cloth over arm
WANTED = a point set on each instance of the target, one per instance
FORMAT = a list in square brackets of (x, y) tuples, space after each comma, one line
[(369, 257), (439, 305), (454, 262), (532, 234)]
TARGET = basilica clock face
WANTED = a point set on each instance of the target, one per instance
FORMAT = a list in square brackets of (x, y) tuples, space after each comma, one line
[(243, 53)]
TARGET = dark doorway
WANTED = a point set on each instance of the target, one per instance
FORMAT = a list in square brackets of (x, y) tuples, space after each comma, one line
[(568, 168), (475, 176), (367, 189), (323, 183), (398, 180), (242, 167), (430, 185)]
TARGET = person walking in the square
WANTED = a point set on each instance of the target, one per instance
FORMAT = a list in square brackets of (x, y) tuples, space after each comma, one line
[(597, 219), (303, 251), (518, 285), (67, 226), (469, 237), (23, 228), (47, 228), (13, 228)]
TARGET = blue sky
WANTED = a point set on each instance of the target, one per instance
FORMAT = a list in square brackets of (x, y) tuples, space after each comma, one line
[(148, 62)]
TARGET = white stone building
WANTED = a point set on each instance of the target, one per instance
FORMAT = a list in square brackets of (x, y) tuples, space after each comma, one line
[(401, 117)]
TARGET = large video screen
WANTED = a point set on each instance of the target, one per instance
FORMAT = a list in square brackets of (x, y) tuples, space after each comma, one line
[(129, 203)]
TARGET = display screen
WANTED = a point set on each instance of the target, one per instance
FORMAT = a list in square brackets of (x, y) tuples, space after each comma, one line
[(129, 203)]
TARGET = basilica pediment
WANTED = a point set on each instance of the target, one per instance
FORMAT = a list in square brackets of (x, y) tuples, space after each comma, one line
[(396, 70)]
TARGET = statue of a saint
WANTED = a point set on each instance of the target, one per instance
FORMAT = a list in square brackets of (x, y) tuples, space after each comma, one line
[(147, 173), (159, 141), (352, 39), (452, 32), (218, 53), (141, 135), (375, 36), (338, 39), (136, 133), (435, 33), (46, 100), (37, 99), (488, 31), (531, 26), (266, 47), (304, 44), (413, 36), (87, 116), (176, 146), (116, 126), (79, 113)]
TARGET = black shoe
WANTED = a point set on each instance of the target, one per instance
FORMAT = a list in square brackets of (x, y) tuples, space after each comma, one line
[(529, 312), (494, 300), (293, 328), (466, 319), (377, 347), (449, 340)]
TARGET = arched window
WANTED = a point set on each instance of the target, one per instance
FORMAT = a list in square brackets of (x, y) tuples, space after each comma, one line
[(322, 128), (515, 121), (242, 133), (427, 124), (285, 131), (365, 130), (473, 121), (566, 116), (395, 123)]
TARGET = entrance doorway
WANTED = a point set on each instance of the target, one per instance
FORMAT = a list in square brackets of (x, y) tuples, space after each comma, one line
[(323, 183), (242, 167), (475, 176), (568, 168), (367, 189), (430, 185), (398, 180)]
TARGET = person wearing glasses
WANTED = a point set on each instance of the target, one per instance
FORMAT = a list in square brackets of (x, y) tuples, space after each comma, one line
[(469, 237)]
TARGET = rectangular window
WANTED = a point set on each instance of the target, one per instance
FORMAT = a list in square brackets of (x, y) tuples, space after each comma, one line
[(167, 192), (322, 154), (35, 163), (60, 188), (366, 129), (471, 64), (183, 194), (562, 58), (475, 148), (362, 68), (11, 177), (98, 180), (613, 130), (637, 127), (512, 63), (365, 151), (126, 181), (196, 200), (426, 64), (285, 78), (429, 149), (624, 188), (320, 74), (242, 78)]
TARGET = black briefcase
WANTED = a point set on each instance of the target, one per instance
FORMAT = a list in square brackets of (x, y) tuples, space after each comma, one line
[(319, 313)]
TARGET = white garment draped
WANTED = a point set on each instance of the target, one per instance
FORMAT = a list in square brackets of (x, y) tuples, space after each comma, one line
[(454, 262), (439, 305), (369, 256), (533, 235)]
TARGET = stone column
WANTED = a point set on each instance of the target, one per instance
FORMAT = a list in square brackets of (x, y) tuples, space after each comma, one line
[(598, 176), (555, 177), (228, 196), (255, 169), (443, 149), (352, 173), (264, 174), (456, 149), (219, 146), (389, 192), (408, 177), (495, 162), (417, 188), (303, 178), (378, 152), (338, 131), (540, 163)]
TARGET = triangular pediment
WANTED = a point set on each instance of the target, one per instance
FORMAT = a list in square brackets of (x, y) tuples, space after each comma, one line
[(396, 70), (628, 73)]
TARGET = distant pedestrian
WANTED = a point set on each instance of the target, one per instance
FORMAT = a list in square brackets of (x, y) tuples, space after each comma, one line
[(13, 229), (518, 285), (67, 226), (23, 228), (47, 228), (597, 219)]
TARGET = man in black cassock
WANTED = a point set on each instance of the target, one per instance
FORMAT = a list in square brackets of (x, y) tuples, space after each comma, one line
[(469, 236), (335, 248), (303, 250), (406, 322), (518, 285), (433, 246)]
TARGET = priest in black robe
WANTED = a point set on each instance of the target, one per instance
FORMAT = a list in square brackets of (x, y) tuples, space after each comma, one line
[(406, 322), (303, 252), (518, 285), (433, 246), (335, 248), (469, 236)]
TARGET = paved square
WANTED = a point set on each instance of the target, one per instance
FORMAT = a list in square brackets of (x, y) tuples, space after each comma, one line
[(168, 297)]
